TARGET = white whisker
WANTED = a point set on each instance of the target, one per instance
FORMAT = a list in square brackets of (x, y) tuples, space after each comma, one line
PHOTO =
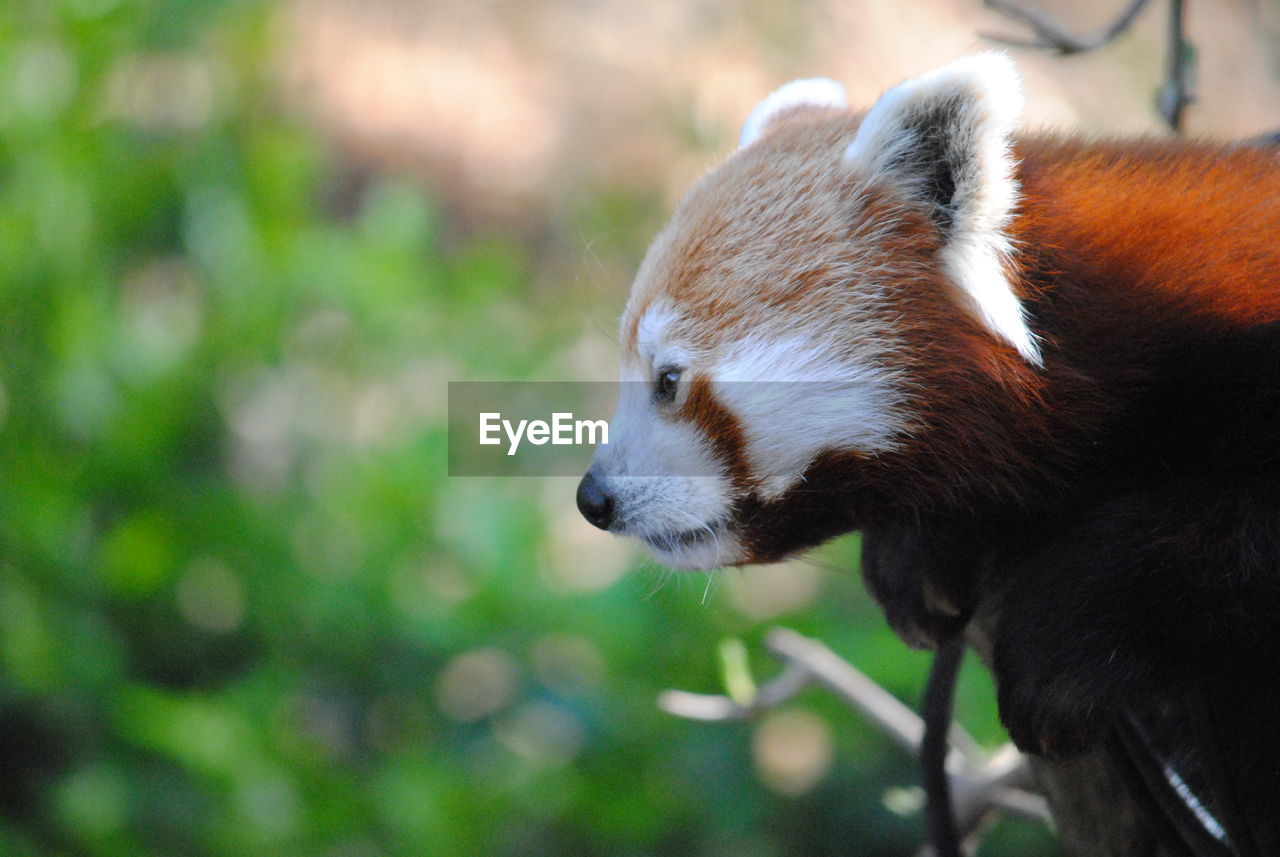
[(711, 575)]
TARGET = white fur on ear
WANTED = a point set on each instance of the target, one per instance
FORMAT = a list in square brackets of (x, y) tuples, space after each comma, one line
[(955, 123), (811, 92)]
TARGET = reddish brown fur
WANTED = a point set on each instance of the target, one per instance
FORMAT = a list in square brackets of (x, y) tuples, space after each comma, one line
[(1169, 229), (1126, 252), (784, 191), (702, 409)]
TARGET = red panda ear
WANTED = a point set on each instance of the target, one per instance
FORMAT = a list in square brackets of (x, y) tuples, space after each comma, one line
[(944, 140), (812, 92)]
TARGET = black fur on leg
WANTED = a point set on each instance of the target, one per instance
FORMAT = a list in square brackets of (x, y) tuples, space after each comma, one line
[(1133, 598)]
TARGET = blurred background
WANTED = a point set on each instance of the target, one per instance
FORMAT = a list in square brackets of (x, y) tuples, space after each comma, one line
[(244, 245)]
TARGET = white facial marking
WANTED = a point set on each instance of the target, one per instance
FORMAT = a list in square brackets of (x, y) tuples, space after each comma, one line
[(812, 92), (795, 398), (985, 96), (652, 336)]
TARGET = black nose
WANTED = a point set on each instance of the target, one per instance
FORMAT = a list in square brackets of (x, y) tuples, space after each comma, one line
[(594, 501)]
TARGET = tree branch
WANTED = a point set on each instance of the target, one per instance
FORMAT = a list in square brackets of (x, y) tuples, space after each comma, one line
[(1175, 92), (1050, 34), (981, 783)]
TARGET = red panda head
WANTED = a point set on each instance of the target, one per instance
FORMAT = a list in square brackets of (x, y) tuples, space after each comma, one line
[(792, 331)]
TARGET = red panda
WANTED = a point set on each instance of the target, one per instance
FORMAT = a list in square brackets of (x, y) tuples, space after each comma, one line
[(1032, 369)]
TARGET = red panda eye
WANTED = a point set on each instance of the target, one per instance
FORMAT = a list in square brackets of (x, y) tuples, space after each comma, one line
[(664, 387)]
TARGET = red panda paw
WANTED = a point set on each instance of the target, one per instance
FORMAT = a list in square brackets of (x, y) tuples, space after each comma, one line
[(924, 576), (922, 627)]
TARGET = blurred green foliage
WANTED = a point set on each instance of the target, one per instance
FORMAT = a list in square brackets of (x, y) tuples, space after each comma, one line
[(243, 609)]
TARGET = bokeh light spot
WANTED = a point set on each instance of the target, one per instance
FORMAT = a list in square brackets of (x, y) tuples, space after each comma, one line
[(210, 597), (793, 751), (477, 684)]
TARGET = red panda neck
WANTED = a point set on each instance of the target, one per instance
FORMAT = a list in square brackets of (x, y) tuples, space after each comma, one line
[(1131, 257), (1143, 240)]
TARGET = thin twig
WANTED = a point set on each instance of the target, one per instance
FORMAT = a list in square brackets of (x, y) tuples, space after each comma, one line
[(1175, 92), (1050, 34), (841, 678)]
